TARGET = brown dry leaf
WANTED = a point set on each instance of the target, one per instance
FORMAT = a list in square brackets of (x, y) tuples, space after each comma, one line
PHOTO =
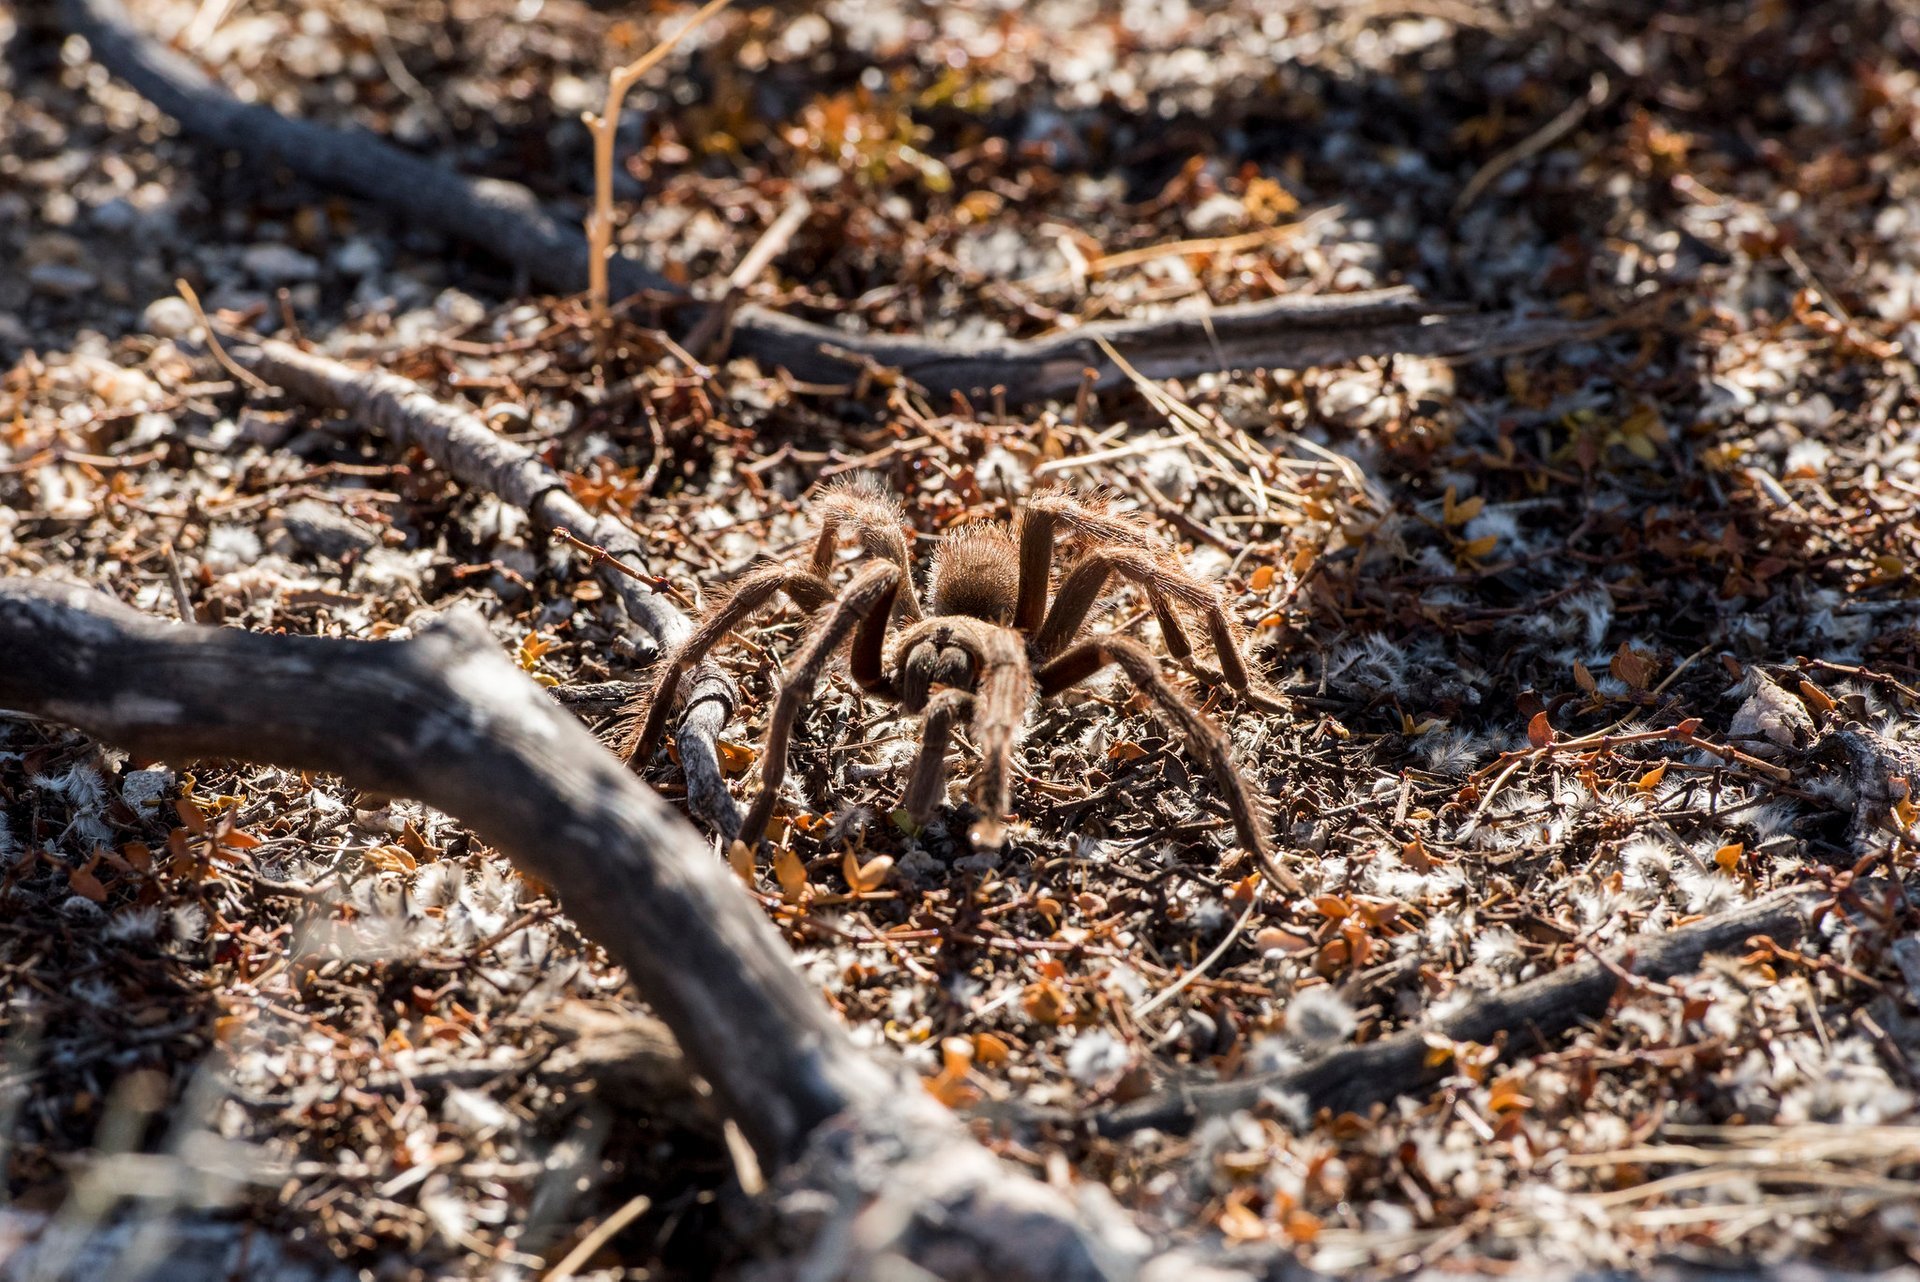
[(192, 816), (1241, 1223), (390, 858), (1631, 667), (1540, 731), (740, 859), (1820, 700), (990, 1049), (1126, 750), (1583, 678), (82, 881), (870, 876), (417, 845), (791, 874), (1044, 1002), (1273, 939)]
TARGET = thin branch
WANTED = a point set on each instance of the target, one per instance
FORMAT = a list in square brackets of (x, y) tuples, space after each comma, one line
[(866, 1168), (476, 456), (1358, 1076), (508, 220)]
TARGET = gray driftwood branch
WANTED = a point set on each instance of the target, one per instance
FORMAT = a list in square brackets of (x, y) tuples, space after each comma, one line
[(865, 1167), (476, 456), (507, 220), (1353, 1078)]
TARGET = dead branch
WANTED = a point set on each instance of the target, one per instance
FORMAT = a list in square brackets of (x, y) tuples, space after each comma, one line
[(507, 220), (1356, 1077), (476, 456), (867, 1168)]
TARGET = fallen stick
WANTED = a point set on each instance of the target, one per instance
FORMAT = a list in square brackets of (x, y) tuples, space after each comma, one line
[(1351, 1079), (866, 1168), (477, 457), (507, 220)]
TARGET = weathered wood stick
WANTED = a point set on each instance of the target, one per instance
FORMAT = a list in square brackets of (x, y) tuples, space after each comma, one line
[(1358, 1076), (507, 220), (479, 458), (866, 1168)]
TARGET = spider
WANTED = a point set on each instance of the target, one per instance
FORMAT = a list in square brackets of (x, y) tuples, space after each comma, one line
[(982, 645)]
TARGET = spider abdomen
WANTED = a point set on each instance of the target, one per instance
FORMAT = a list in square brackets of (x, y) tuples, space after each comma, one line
[(976, 573)]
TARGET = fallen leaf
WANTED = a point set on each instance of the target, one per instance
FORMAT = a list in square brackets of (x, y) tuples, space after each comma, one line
[(1540, 731), (791, 874)]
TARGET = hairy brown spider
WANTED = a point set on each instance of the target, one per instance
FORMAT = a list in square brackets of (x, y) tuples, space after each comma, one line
[(988, 642)]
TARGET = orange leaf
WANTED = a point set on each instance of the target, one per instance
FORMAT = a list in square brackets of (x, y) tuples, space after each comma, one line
[(390, 859), (1126, 750), (1331, 906), (1540, 730), (1651, 780), (740, 859), (1631, 667), (868, 876), (1813, 694), (1262, 579), (1241, 1223), (192, 816), (1728, 857), (989, 1049), (83, 883), (1272, 939), (791, 874), (1583, 678)]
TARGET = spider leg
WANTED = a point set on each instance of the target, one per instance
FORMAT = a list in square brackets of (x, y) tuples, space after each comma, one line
[(926, 787), (869, 597), (995, 658), (649, 712), (1040, 521), (1203, 737), (1166, 588), (861, 508)]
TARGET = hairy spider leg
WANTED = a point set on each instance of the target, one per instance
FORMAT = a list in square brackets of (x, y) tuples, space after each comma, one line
[(869, 596), (927, 785), (649, 712), (1002, 688), (874, 518), (1080, 592), (1040, 522), (1204, 738)]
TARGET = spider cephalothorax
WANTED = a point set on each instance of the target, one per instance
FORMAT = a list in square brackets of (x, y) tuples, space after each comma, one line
[(984, 643)]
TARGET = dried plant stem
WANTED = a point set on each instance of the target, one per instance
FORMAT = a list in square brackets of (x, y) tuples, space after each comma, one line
[(599, 222), (446, 718), (476, 456)]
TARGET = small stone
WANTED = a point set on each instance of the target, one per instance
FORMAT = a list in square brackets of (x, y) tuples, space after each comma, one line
[(272, 264), (62, 281), (169, 317), (358, 257), (116, 216)]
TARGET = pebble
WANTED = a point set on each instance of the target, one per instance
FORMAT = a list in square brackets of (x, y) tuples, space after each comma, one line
[(169, 317), (358, 257), (116, 217), (61, 280), (272, 264)]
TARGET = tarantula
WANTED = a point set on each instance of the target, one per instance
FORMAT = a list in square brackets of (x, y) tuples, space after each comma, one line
[(987, 642)]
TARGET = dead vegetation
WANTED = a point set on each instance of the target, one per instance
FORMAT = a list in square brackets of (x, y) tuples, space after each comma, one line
[(1586, 644)]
